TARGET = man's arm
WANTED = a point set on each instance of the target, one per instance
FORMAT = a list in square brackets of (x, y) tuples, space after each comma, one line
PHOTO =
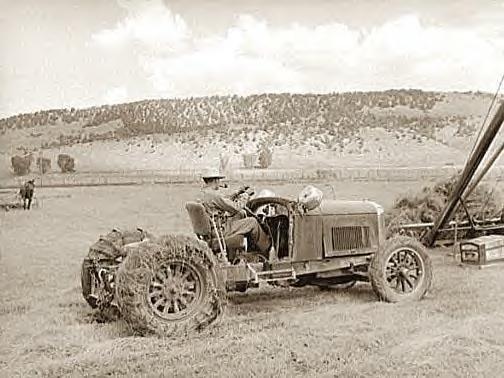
[(225, 204), (220, 202)]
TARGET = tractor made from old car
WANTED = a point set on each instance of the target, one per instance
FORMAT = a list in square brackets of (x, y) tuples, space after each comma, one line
[(177, 283)]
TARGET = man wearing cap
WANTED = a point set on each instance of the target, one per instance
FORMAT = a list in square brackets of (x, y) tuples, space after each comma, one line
[(217, 200)]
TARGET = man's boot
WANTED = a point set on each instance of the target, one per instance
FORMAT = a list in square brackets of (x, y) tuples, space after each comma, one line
[(222, 258), (273, 257)]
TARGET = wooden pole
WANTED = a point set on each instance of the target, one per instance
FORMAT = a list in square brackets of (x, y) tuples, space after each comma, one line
[(41, 161), (484, 171), (467, 174)]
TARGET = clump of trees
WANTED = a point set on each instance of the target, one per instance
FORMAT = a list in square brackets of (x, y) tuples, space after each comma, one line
[(66, 163), (249, 160), (21, 164), (265, 156), (44, 164)]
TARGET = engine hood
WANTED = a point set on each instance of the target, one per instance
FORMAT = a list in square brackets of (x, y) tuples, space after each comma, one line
[(340, 207)]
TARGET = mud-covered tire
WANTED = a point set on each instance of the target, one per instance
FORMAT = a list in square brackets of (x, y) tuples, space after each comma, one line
[(87, 281), (401, 270), (170, 287)]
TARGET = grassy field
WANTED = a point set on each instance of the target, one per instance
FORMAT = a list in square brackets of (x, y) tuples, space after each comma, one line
[(46, 328)]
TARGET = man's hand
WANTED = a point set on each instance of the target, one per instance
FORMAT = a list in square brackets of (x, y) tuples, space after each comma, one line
[(243, 197), (245, 189)]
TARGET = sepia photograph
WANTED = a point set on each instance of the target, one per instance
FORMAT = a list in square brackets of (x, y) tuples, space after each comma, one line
[(252, 188)]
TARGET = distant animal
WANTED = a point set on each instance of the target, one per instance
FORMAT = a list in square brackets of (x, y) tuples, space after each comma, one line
[(26, 193)]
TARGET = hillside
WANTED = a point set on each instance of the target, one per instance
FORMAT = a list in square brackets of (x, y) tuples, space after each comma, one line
[(395, 127)]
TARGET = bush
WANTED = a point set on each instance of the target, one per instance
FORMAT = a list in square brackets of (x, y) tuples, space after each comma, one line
[(21, 165), (265, 156), (66, 163), (44, 164)]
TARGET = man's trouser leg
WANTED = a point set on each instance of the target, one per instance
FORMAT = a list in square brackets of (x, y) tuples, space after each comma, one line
[(250, 226)]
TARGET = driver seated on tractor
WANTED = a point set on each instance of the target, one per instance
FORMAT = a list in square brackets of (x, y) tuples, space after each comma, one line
[(233, 216)]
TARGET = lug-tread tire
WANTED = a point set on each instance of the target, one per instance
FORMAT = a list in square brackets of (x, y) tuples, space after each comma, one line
[(135, 274), (86, 282), (378, 266)]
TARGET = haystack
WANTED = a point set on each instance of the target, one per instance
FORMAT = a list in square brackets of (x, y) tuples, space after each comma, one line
[(426, 205)]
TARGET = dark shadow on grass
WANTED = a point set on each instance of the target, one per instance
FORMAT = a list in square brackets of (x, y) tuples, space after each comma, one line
[(108, 315), (254, 302), (14, 308), (73, 304)]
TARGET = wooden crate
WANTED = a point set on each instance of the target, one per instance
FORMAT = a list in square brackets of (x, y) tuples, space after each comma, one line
[(484, 250)]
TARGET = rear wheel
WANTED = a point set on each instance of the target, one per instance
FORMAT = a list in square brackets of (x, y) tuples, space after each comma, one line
[(170, 287), (97, 283), (88, 284), (401, 270)]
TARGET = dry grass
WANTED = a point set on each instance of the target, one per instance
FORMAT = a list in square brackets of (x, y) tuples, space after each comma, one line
[(46, 328)]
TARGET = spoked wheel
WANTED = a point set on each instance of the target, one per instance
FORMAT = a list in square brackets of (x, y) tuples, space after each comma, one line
[(96, 285), (404, 270), (175, 290), (401, 270), (89, 284), (170, 287)]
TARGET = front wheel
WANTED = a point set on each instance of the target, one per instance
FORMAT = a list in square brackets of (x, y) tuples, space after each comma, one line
[(170, 287), (401, 270)]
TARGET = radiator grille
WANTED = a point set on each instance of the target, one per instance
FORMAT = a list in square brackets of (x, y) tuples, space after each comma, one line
[(350, 237)]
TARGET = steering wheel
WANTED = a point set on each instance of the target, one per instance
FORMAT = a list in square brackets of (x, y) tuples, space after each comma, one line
[(251, 213)]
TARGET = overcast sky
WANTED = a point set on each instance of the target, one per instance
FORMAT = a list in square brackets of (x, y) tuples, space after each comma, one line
[(63, 53)]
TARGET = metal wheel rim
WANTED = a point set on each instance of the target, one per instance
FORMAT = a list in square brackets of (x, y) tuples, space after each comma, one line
[(404, 270), (175, 290)]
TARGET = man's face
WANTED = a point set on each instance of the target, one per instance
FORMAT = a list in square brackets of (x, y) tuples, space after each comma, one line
[(213, 184), (216, 184)]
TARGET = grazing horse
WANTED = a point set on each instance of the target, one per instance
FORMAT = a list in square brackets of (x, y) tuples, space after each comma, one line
[(26, 193)]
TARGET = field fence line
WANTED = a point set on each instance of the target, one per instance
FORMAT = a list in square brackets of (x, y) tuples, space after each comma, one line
[(289, 175)]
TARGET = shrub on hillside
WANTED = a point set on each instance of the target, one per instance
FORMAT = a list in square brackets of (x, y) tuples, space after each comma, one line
[(21, 164), (66, 163)]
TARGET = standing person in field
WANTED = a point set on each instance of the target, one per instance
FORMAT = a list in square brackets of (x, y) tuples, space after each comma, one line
[(26, 193), (217, 200)]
